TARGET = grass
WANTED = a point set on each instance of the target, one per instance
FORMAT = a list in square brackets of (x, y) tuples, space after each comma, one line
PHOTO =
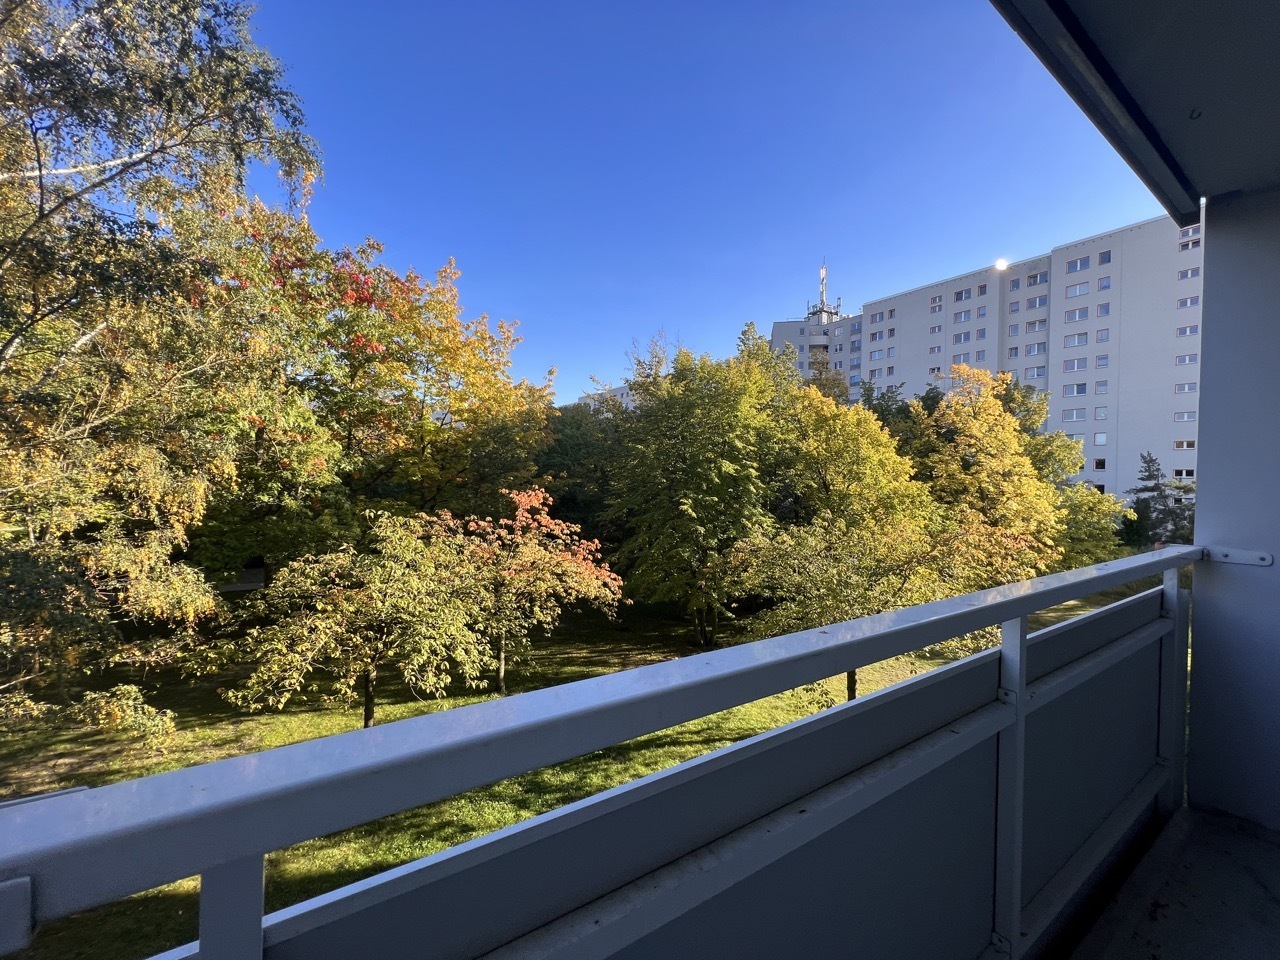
[(586, 645)]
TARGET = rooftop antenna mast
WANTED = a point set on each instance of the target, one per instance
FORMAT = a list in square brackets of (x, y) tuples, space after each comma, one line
[(822, 284)]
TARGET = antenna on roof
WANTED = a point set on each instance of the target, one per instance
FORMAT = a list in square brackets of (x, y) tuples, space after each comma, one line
[(822, 284)]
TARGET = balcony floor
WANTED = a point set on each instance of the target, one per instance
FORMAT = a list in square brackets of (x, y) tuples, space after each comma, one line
[(1209, 887)]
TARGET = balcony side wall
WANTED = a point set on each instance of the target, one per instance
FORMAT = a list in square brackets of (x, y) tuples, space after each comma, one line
[(1235, 687)]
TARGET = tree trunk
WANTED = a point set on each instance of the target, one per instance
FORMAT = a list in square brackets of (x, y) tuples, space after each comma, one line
[(502, 667), (370, 682), (851, 684)]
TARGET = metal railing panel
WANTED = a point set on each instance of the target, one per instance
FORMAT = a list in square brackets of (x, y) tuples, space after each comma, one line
[(1085, 751), (599, 844), (1060, 644), (825, 877)]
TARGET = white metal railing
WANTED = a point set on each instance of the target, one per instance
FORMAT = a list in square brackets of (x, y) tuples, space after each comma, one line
[(78, 850)]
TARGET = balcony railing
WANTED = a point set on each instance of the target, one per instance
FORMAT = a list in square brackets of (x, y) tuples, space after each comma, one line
[(958, 814)]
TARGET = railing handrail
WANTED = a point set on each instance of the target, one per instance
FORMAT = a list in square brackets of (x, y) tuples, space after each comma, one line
[(91, 847)]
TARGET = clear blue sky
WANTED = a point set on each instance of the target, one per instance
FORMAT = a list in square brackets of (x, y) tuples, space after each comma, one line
[(606, 169)]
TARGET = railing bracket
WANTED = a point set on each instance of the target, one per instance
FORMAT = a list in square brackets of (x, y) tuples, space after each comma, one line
[(1001, 943), (1005, 695), (1252, 558)]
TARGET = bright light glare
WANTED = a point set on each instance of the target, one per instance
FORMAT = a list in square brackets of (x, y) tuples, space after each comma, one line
[(1002, 264)]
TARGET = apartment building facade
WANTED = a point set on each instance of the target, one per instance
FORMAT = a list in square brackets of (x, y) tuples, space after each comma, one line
[(1109, 326)]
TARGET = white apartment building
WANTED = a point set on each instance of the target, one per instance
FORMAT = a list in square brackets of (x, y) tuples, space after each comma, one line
[(1108, 325)]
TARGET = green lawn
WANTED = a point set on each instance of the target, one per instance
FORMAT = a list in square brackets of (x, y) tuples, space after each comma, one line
[(586, 645)]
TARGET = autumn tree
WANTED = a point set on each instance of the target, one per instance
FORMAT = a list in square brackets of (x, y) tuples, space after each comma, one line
[(116, 120), (527, 569)]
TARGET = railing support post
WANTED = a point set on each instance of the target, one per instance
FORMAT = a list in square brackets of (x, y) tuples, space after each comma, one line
[(1007, 922), (1173, 694), (231, 900)]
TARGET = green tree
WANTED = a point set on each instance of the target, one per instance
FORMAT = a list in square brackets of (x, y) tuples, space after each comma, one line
[(528, 568), (870, 536), (576, 467), (827, 381), (692, 477), (116, 122), (406, 597), (1163, 510)]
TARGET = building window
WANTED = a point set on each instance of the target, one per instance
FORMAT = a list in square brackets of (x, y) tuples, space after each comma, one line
[(839, 364), (1015, 307), (893, 312), (935, 304), (982, 289), (1184, 359), (802, 331), (982, 333), (1034, 326), (1192, 231), (876, 373), (1104, 258), (1014, 284), (1099, 439), (1184, 473), (1013, 329), (1099, 463), (876, 355), (1192, 387), (1189, 274), (893, 331), (1184, 416), (1102, 360), (888, 371), (878, 317), (980, 356), (892, 351), (1103, 310), (855, 345), (982, 312), (935, 371), (877, 336), (1186, 245), (1100, 386), (1074, 316), (1075, 340), (1035, 303), (1013, 353), (854, 380), (1100, 487), (1184, 444), (1033, 373), (1104, 283), (1075, 266), (1074, 389), (960, 358), (1079, 363), (1103, 335), (1035, 279), (936, 328), (960, 337), (1035, 349), (965, 294), (1072, 414), (1077, 289), (855, 327), (935, 349), (799, 364), (1099, 413), (1077, 437), (1185, 302), (1189, 331), (962, 316)]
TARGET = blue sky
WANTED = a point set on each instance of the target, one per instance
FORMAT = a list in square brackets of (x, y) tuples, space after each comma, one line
[(606, 170)]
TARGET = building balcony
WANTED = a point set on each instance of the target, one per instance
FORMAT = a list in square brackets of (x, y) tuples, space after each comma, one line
[(968, 812)]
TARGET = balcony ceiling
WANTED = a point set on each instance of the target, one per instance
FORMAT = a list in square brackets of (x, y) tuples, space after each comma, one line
[(1188, 91)]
